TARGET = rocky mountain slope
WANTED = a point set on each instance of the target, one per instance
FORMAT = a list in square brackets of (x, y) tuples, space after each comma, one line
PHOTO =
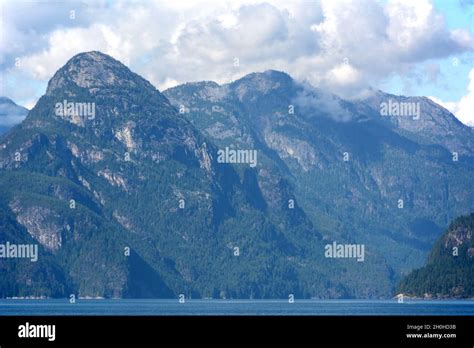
[(232, 191), (390, 182), (127, 199)]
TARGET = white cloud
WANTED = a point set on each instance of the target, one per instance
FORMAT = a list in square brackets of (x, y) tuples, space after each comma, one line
[(342, 46), (464, 108), (344, 74), (63, 44)]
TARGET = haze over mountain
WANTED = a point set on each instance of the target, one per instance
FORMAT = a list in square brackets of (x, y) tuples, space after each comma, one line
[(10, 114), (128, 195)]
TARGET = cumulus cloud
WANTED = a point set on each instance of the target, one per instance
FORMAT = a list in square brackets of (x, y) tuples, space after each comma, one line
[(341, 46), (26, 25), (464, 108), (376, 41)]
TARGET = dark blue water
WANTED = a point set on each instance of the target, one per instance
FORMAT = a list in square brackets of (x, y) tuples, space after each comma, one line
[(234, 307)]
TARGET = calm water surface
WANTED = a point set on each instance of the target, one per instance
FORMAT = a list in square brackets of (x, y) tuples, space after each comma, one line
[(234, 307)]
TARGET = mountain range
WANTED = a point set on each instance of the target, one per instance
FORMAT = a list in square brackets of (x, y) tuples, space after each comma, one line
[(125, 190)]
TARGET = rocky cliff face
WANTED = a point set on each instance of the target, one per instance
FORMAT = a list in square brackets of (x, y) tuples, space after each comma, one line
[(390, 181), (434, 125), (126, 197)]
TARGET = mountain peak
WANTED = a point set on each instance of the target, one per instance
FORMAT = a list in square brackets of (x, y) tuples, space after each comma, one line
[(6, 100), (267, 75), (262, 82), (10, 114), (94, 70), (276, 73), (96, 56)]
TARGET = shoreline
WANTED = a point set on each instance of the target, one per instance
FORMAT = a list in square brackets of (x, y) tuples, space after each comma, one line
[(394, 299)]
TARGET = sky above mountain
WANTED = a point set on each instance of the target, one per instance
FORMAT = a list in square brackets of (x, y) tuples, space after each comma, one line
[(402, 47)]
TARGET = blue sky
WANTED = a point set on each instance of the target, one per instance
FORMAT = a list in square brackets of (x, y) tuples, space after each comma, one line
[(418, 47), (454, 70)]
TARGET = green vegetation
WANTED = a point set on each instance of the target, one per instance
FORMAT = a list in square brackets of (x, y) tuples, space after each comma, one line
[(127, 170), (449, 271)]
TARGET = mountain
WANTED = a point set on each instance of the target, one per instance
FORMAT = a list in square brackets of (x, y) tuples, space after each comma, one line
[(390, 183), (10, 114), (242, 190), (449, 272), (435, 126), (127, 198)]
